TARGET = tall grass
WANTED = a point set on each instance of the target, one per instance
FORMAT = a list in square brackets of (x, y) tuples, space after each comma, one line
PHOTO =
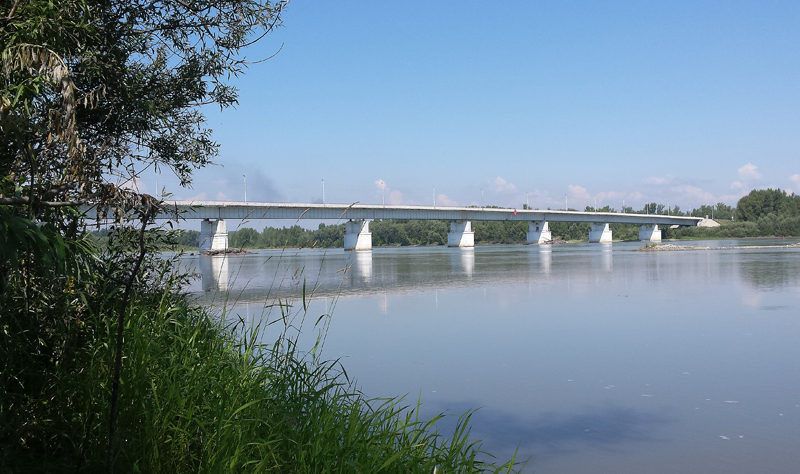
[(202, 397), (200, 392)]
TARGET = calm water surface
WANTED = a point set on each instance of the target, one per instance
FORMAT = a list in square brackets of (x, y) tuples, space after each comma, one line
[(590, 357)]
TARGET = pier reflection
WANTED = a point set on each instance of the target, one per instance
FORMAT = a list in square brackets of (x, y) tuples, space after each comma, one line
[(214, 272), (363, 265), (545, 258), (462, 260), (607, 256)]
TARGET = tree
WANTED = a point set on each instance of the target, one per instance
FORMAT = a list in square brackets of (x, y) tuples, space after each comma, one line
[(93, 92), (762, 202), (96, 91)]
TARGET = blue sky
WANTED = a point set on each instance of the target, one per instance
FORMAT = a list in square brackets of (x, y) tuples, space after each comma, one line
[(691, 103)]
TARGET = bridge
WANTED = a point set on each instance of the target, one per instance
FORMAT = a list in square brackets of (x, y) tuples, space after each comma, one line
[(214, 236)]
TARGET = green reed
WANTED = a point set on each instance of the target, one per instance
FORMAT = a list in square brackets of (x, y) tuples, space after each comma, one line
[(199, 396), (202, 392)]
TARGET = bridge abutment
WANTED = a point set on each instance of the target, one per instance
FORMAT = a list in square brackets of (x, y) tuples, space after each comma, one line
[(650, 234), (600, 233), (461, 235), (213, 235), (538, 232), (357, 235)]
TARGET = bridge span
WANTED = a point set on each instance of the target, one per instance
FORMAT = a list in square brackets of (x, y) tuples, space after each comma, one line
[(214, 236)]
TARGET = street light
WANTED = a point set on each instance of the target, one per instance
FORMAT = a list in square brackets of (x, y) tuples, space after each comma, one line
[(323, 191), (434, 196), (245, 187), (566, 206), (481, 197)]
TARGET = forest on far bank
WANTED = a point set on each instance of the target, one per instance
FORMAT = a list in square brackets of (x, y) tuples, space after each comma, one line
[(761, 213)]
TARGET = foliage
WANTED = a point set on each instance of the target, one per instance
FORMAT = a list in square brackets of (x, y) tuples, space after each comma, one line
[(409, 232), (770, 225), (95, 91), (762, 202), (197, 396), (326, 236)]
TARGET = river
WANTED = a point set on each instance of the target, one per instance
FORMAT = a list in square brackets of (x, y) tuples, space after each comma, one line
[(588, 357)]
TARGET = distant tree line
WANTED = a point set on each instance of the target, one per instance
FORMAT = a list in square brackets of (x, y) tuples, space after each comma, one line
[(762, 213)]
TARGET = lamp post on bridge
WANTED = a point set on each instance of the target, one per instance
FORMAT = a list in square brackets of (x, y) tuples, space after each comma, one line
[(434, 196), (245, 187), (323, 191), (481, 197)]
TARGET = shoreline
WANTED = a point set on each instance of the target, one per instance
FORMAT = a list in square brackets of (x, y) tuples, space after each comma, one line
[(680, 248)]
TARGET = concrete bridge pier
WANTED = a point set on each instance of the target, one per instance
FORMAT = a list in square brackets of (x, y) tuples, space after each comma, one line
[(461, 235), (600, 233), (357, 235), (213, 235), (538, 232), (650, 234)]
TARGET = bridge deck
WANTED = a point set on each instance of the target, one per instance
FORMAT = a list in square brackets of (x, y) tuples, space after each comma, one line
[(296, 211)]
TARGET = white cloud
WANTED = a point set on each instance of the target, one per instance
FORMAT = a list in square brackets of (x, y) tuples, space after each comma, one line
[(443, 200), (222, 197), (395, 198), (795, 178), (655, 181), (579, 192), (749, 172), (695, 195), (200, 197), (604, 198), (504, 186)]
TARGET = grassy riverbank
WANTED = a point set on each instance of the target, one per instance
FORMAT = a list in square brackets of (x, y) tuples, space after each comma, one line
[(198, 393)]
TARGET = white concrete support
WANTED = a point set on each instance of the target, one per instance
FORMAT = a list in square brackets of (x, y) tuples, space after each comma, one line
[(650, 234), (461, 235), (213, 235), (600, 233), (538, 232), (357, 235)]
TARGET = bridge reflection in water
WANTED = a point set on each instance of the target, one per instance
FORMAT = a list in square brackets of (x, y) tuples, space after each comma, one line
[(275, 274), (214, 272)]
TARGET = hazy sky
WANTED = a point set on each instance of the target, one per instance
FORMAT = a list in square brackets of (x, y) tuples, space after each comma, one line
[(691, 102)]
